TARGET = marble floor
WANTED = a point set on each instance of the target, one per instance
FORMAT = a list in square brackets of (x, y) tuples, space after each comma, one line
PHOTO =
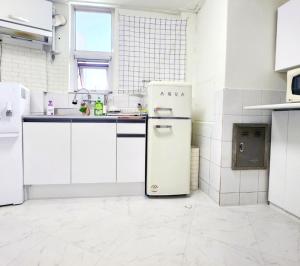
[(146, 232)]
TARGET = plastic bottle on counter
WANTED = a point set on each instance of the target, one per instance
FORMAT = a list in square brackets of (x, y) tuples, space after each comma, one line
[(98, 109), (50, 108)]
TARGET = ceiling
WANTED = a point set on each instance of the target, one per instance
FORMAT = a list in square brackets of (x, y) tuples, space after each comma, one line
[(167, 5)]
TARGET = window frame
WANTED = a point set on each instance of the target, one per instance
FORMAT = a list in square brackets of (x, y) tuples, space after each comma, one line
[(77, 55)]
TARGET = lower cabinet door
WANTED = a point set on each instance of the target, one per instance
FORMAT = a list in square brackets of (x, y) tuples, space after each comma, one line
[(46, 153), (292, 186), (130, 159), (93, 152)]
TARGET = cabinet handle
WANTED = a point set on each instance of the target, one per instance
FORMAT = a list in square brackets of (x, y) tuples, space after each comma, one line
[(163, 126), (20, 19), (157, 109)]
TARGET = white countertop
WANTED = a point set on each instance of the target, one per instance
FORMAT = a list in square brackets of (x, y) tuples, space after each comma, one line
[(280, 106)]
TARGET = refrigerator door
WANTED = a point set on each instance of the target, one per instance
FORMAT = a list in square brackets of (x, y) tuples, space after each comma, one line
[(168, 158), (169, 99)]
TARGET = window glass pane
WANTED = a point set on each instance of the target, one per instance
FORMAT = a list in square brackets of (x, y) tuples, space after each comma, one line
[(93, 78), (93, 31)]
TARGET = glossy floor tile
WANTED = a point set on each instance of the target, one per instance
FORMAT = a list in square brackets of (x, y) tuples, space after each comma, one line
[(125, 231)]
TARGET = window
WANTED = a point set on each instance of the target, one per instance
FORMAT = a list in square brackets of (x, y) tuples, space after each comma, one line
[(92, 48), (92, 75), (93, 31)]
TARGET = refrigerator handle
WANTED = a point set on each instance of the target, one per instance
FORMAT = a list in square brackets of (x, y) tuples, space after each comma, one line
[(157, 109), (163, 126)]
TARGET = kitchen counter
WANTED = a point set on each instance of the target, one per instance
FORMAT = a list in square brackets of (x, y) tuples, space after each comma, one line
[(86, 119), (275, 107)]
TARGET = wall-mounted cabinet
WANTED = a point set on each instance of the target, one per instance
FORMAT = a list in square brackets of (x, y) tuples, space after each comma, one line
[(288, 36), (33, 13)]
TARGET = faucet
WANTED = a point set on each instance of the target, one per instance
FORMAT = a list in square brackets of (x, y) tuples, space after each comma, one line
[(89, 97)]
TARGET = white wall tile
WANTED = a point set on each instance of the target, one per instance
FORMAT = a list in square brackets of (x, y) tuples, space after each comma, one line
[(252, 97), (263, 180), (230, 180), (24, 65), (205, 129), (270, 97), (205, 147), (248, 198), (249, 181), (226, 158), (232, 102), (229, 199), (266, 119), (215, 176), (219, 101), (252, 119), (215, 195), (262, 197), (204, 186), (215, 154), (36, 101), (204, 169), (228, 121), (217, 128)]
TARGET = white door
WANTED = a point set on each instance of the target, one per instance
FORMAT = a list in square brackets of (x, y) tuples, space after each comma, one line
[(168, 157), (46, 153), (292, 187), (34, 13), (93, 152), (131, 159)]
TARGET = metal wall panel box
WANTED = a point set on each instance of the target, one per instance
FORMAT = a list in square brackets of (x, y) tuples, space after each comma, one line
[(250, 146)]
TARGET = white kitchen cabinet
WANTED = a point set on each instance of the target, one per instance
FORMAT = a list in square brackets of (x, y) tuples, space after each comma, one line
[(33, 13), (292, 185), (288, 36), (93, 152), (278, 158), (131, 146), (46, 153), (284, 167), (131, 159)]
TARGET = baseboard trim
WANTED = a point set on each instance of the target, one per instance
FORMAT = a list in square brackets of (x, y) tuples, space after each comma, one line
[(84, 190)]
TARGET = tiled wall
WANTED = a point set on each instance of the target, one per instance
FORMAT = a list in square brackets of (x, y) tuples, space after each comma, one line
[(34, 68), (39, 100), (225, 186), (24, 65)]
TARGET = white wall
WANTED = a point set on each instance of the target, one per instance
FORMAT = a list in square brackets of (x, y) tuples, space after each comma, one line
[(251, 40), (211, 57)]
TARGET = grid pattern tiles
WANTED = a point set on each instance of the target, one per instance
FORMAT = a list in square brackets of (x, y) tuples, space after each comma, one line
[(150, 49)]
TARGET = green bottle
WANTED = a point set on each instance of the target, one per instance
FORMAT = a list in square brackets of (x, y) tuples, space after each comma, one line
[(98, 109)]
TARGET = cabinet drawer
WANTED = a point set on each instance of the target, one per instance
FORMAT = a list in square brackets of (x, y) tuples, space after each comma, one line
[(131, 128)]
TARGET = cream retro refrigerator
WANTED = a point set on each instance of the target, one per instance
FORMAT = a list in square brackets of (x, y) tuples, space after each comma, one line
[(14, 102), (169, 138)]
